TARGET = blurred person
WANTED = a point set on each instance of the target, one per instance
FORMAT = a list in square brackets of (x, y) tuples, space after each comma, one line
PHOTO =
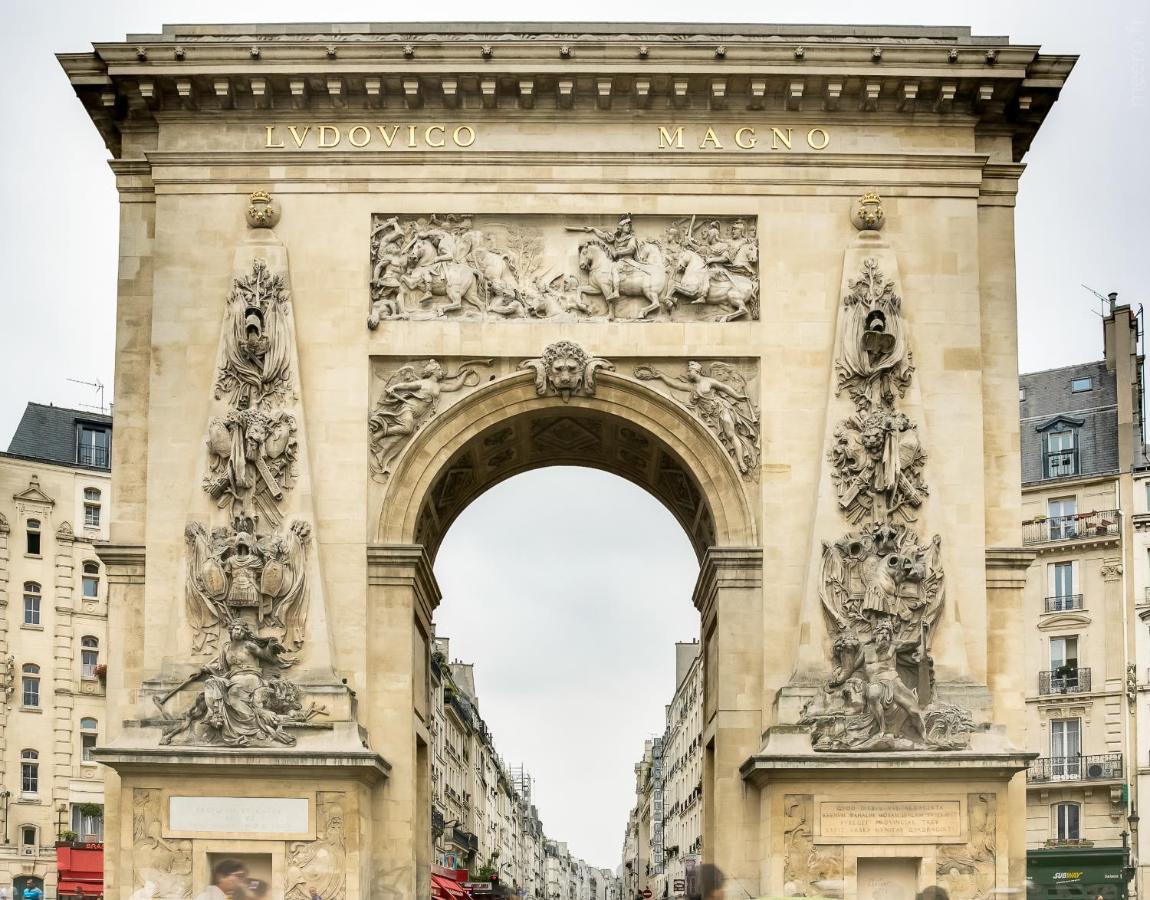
[(709, 881), (229, 876)]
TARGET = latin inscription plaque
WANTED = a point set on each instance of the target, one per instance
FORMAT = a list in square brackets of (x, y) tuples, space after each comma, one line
[(890, 821), (244, 815)]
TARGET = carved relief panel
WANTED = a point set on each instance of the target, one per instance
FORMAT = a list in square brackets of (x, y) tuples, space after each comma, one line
[(588, 268)]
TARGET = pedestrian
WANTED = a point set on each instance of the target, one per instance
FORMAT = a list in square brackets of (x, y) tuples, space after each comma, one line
[(228, 879), (4, 893), (33, 892), (709, 883)]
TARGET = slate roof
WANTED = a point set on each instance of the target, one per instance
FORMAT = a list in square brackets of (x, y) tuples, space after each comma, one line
[(48, 433)]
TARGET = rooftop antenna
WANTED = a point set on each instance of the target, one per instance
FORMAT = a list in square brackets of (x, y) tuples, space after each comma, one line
[(1108, 302), (99, 386)]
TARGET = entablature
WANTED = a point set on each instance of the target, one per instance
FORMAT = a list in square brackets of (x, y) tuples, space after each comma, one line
[(942, 73)]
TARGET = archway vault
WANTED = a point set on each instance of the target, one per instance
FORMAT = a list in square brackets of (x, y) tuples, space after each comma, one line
[(505, 428)]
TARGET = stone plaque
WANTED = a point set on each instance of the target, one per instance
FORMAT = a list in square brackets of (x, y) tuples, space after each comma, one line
[(890, 821), (239, 815)]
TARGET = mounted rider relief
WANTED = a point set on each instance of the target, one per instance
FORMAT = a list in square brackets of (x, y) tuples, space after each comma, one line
[(564, 269)]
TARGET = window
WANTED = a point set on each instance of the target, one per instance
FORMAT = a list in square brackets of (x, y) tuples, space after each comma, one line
[(30, 685), (1061, 454), (89, 656), (1065, 748), (1078, 385), (91, 507), (1063, 513), (92, 446), (33, 538), (30, 777), (88, 821), (91, 580), (28, 836), (1061, 586), (31, 603), (1021, 394), (1066, 821), (88, 734)]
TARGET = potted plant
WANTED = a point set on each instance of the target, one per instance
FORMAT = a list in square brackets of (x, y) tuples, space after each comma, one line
[(65, 838)]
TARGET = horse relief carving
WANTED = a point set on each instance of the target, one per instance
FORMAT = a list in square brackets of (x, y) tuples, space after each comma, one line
[(534, 267)]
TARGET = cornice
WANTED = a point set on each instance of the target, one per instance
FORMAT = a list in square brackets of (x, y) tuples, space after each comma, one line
[(622, 68)]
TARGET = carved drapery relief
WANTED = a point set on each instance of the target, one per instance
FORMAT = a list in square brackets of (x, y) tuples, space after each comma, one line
[(318, 868), (565, 369), (717, 394), (881, 586), (967, 871), (410, 397), (255, 367), (162, 868), (545, 267), (808, 871), (874, 364)]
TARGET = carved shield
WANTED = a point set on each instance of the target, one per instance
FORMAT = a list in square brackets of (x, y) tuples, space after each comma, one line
[(275, 579), (215, 582)]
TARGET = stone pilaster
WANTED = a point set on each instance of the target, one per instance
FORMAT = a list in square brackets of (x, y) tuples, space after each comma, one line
[(7, 666), (63, 672)]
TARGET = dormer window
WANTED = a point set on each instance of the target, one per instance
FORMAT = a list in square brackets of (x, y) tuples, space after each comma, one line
[(1061, 456), (92, 446)]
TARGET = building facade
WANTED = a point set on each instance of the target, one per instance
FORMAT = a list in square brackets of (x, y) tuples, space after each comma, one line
[(663, 842), (482, 816), (1082, 440), (55, 491)]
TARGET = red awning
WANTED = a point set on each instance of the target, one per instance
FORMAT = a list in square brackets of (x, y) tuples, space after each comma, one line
[(91, 889), (446, 889)]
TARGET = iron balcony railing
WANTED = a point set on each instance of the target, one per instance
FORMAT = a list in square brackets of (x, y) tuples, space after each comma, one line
[(1064, 680), (1046, 530), (1063, 602), (1060, 463), (87, 455), (1103, 767)]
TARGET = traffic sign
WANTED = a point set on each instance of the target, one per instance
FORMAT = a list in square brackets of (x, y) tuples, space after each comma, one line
[(646, 893)]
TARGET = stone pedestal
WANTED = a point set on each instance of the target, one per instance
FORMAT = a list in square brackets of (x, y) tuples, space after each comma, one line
[(884, 825)]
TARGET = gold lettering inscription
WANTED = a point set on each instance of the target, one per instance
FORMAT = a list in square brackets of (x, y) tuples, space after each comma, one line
[(457, 136), (427, 139), (667, 139), (268, 142), (745, 138), (297, 136), (326, 131), (822, 140), (908, 821), (387, 138), (411, 135), (710, 138), (351, 132)]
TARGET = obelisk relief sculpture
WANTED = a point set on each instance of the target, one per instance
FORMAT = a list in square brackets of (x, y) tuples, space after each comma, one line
[(881, 585), (248, 583)]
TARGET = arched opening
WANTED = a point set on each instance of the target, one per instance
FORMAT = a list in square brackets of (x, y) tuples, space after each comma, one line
[(570, 616), (506, 428)]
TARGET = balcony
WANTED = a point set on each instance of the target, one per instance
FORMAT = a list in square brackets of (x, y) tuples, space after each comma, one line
[(1060, 463), (1063, 602), (88, 455), (1078, 526), (1064, 680), (1103, 767)]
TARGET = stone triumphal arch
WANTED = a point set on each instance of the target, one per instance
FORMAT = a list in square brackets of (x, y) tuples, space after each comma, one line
[(369, 271)]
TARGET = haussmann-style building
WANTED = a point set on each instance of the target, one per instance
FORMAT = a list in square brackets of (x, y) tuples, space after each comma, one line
[(764, 272)]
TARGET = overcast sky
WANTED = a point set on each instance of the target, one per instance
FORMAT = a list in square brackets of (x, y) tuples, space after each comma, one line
[(571, 632)]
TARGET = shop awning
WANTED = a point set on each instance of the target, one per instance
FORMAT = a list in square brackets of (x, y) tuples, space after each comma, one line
[(446, 889), (79, 888)]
